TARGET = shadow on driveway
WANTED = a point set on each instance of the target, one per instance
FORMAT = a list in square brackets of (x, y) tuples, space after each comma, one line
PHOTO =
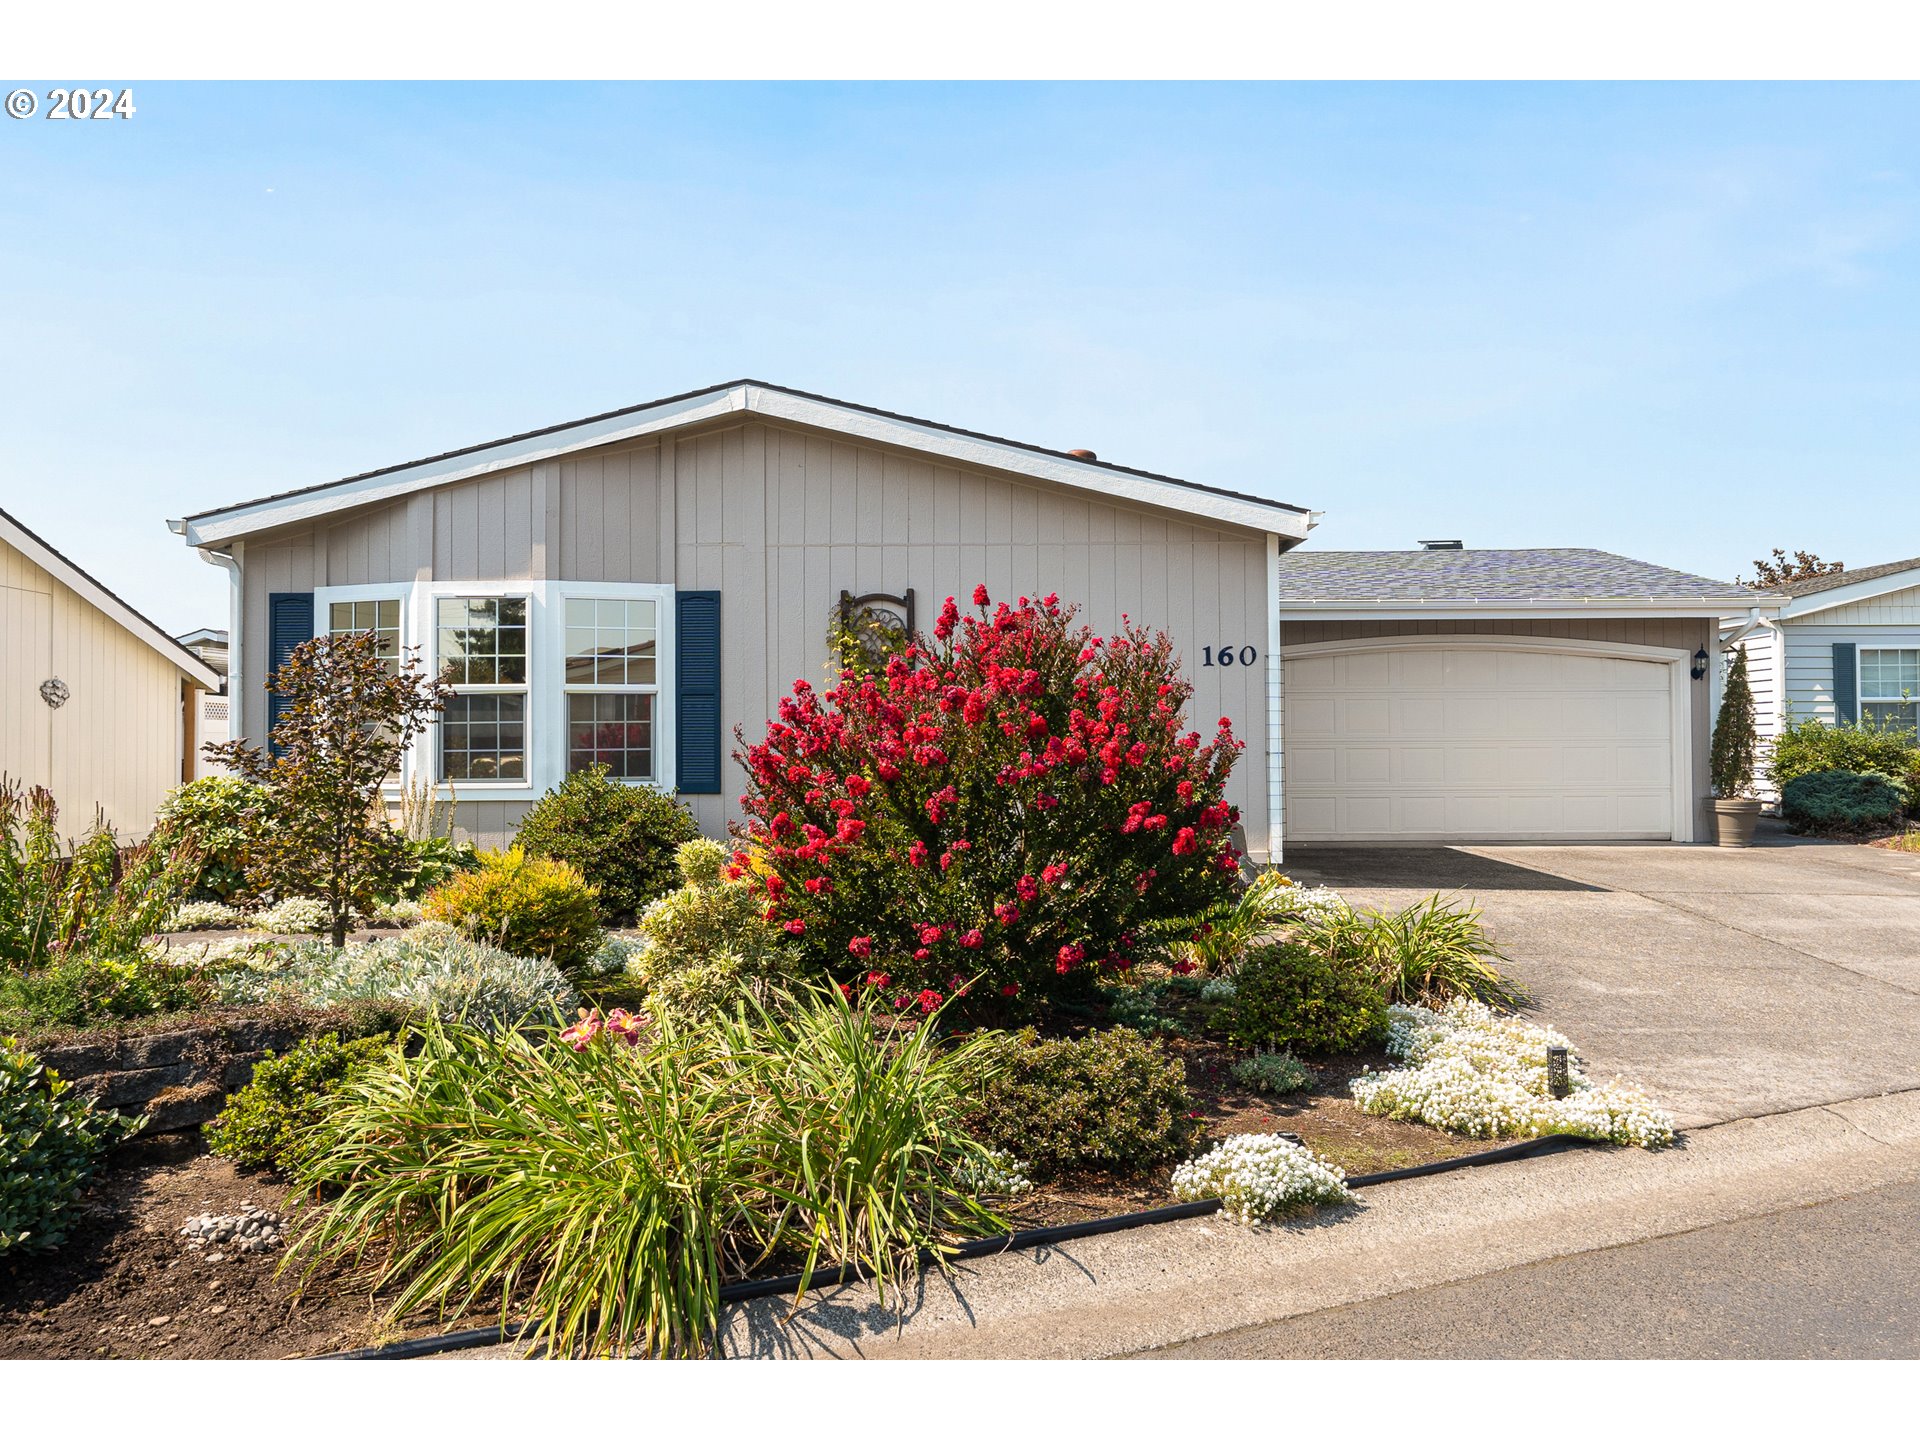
[(1435, 867)]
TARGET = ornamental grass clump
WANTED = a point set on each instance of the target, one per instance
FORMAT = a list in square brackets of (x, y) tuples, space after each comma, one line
[(1426, 954), (1014, 801), (1478, 1073), (1258, 1178), (606, 1192)]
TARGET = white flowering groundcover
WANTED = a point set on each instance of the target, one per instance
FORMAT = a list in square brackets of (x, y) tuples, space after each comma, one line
[(1479, 1073), (1260, 1177)]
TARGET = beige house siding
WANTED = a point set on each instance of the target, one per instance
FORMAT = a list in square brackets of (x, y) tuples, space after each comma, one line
[(1668, 634), (115, 743), (780, 520)]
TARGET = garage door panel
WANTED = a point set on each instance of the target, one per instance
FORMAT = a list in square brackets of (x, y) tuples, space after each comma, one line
[(1437, 741)]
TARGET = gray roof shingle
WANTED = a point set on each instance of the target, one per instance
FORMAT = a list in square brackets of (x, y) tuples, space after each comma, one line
[(1815, 584), (1491, 575)]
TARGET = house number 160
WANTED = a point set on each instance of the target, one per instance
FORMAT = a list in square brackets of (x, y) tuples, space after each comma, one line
[(1226, 655)]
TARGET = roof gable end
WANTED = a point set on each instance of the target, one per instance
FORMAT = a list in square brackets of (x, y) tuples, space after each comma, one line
[(744, 397)]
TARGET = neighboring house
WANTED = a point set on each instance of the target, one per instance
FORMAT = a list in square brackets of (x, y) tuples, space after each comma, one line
[(1841, 647), (211, 647), (630, 588), (97, 703), (1448, 694)]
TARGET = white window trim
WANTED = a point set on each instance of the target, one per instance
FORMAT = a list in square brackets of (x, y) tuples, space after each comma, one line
[(1862, 699), (546, 675), (554, 697)]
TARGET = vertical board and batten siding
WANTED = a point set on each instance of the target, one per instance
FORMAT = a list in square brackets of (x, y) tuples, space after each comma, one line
[(1763, 648), (1673, 633), (116, 742), (780, 520)]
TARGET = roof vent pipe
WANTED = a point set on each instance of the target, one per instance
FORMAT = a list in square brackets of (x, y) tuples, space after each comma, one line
[(1441, 545), (1083, 455)]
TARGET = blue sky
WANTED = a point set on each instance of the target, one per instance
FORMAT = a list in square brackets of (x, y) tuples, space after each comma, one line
[(1675, 321)]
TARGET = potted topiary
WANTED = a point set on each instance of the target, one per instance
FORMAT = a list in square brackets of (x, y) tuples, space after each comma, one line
[(1735, 810)]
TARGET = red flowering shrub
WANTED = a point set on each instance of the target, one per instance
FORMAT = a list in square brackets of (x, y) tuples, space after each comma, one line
[(1009, 804)]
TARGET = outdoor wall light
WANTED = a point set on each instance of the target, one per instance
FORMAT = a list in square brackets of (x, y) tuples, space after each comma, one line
[(1699, 662)]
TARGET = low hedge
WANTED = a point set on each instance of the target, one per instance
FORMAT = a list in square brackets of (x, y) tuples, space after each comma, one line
[(1111, 1101), (1842, 802)]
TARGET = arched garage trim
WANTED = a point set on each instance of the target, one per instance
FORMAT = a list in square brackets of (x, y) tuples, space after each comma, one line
[(1679, 682)]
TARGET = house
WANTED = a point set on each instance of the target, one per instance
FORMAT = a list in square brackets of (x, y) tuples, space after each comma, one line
[(211, 647), (1840, 648), (632, 587), (97, 703)]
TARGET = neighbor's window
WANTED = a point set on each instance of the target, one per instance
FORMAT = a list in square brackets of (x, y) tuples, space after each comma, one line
[(613, 685), (483, 655), (1890, 687)]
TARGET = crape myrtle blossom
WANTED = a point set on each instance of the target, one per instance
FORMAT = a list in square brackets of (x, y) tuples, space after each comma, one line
[(1012, 797), (1483, 1074)]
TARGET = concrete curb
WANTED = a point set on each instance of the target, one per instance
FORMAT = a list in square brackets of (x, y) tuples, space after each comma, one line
[(1121, 1294)]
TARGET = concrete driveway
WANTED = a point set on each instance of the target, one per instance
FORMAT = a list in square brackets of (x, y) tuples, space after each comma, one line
[(1729, 983)]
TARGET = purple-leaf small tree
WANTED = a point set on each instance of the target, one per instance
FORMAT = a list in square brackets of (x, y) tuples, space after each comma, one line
[(350, 713)]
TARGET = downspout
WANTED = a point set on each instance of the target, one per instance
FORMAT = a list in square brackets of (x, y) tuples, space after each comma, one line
[(236, 633), (1276, 838)]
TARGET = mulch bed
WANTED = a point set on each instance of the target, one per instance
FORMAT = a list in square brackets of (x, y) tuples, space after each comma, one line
[(1330, 1124), (127, 1286)]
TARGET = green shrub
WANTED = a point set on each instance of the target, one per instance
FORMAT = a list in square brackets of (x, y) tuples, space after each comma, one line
[(1275, 1072), (1113, 1101), (1425, 954), (1842, 802), (432, 970), (87, 989), (621, 837), (1807, 747), (539, 908), (432, 862), (218, 816), (606, 1194), (1295, 997), (707, 943), (89, 896), (50, 1142), (266, 1123), (1143, 1006)]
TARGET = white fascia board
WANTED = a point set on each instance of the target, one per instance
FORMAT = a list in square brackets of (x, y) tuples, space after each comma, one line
[(992, 455), (1798, 607), (1502, 609), (109, 604), (227, 525)]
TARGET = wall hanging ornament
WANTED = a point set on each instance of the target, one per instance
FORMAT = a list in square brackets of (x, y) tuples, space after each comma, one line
[(55, 692)]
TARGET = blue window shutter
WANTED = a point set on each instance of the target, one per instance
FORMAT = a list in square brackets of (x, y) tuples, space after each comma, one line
[(1846, 684), (697, 736), (289, 624)]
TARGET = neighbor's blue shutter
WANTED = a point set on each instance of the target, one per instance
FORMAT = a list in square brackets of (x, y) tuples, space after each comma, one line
[(1846, 685), (697, 679), (289, 623)]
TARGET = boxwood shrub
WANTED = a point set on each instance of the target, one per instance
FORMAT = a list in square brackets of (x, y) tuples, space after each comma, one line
[(1288, 996), (1112, 1101), (621, 837), (1844, 802), (1808, 747), (266, 1122)]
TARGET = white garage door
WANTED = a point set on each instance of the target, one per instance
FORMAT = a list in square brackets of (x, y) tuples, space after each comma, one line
[(1454, 743)]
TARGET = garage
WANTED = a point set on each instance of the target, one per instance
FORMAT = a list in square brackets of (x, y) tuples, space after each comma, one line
[(1428, 738), (1448, 695)]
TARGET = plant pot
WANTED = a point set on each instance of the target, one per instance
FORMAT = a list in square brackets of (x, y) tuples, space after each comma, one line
[(1733, 821)]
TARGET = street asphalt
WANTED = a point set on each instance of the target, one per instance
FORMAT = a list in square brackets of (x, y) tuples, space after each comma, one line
[(1836, 1280)]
